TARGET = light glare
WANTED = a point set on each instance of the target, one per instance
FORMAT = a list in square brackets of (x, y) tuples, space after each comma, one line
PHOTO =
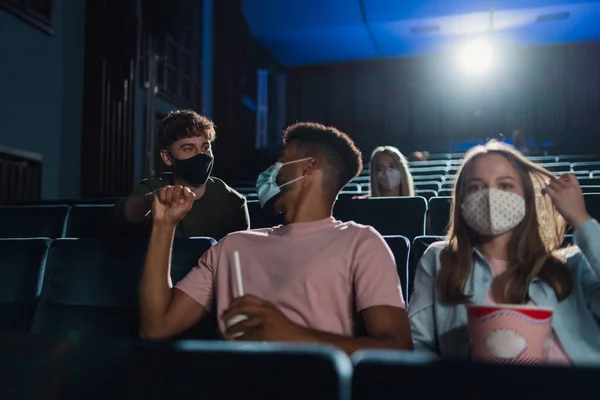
[(476, 57)]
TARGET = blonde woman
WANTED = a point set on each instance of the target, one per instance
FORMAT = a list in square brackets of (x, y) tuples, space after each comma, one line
[(502, 248), (389, 173)]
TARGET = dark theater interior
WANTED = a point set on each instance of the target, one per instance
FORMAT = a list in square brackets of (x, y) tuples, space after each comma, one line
[(285, 199)]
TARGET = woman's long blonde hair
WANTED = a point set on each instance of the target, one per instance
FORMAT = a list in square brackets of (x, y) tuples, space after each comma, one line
[(533, 243), (406, 185)]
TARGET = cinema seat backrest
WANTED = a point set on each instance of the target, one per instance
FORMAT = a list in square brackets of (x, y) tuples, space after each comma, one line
[(389, 215), (22, 264), (33, 221), (91, 285), (400, 246)]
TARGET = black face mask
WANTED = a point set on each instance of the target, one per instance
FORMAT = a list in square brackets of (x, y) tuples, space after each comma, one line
[(195, 170)]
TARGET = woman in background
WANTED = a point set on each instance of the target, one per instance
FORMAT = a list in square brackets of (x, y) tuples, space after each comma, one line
[(389, 173), (419, 156), (507, 224)]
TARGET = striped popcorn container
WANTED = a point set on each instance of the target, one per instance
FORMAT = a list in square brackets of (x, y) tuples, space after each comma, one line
[(509, 334)]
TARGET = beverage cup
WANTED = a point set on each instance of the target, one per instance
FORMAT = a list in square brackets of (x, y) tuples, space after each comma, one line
[(234, 320), (509, 334)]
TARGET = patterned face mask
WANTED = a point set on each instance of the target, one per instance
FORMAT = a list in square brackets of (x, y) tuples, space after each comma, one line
[(389, 178), (492, 212)]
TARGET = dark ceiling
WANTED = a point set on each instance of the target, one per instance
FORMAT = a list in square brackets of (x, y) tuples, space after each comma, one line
[(325, 31)]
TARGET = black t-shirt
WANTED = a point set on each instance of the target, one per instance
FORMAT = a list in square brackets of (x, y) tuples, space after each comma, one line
[(220, 211)]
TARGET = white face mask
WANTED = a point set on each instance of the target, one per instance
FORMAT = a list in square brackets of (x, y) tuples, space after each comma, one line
[(389, 178), (492, 212), (266, 184)]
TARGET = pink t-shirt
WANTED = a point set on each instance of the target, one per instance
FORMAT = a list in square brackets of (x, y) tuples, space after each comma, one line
[(319, 274), (556, 353)]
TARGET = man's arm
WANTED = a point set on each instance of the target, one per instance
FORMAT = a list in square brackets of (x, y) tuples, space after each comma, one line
[(387, 327), (164, 311), (378, 297), (137, 206)]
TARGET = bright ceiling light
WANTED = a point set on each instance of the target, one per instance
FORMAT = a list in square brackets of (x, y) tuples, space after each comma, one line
[(477, 56)]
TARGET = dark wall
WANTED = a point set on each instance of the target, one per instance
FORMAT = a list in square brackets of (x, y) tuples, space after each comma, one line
[(41, 80), (162, 105), (427, 103), (109, 96), (237, 58), (42, 94)]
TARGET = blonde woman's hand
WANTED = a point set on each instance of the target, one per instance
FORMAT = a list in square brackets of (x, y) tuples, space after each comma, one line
[(567, 197)]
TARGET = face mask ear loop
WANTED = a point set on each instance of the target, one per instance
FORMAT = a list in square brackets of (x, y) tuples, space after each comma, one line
[(296, 161), (292, 181), (300, 177)]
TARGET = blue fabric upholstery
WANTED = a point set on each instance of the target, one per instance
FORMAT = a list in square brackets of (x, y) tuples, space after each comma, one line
[(389, 215), (98, 368), (21, 269), (33, 221), (224, 370), (419, 245), (411, 375), (91, 285), (93, 221), (439, 215), (400, 246)]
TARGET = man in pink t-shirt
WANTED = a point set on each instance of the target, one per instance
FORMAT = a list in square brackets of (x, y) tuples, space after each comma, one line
[(305, 281)]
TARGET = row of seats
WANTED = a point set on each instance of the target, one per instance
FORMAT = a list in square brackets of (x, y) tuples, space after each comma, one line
[(92, 369), (447, 182), (82, 285), (439, 211), (359, 193), (457, 158), (56, 221), (558, 162), (576, 161), (436, 183), (407, 216), (441, 178), (388, 215), (429, 190), (90, 285), (585, 168)]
